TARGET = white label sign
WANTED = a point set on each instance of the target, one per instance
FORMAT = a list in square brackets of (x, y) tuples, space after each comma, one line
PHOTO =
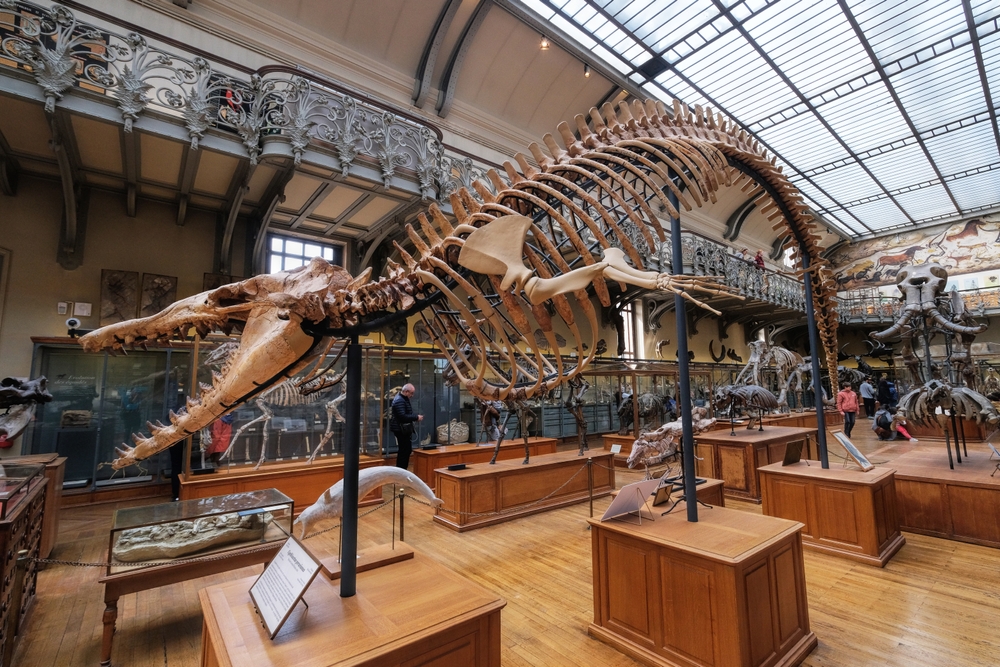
[(616, 449), (281, 585)]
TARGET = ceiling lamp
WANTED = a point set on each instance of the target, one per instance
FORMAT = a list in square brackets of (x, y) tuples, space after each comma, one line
[(545, 44), (586, 70)]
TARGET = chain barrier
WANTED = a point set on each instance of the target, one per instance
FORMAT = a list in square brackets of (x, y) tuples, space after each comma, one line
[(208, 559)]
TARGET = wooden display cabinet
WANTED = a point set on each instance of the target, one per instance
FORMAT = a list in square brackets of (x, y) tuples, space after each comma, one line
[(22, 508), (728, 590), (486, 494), (735, 458), (844, 511), (427, 460)]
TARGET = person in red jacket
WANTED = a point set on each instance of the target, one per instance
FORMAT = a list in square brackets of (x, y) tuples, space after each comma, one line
[(847, 405)]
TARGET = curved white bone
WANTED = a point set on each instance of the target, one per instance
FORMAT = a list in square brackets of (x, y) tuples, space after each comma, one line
[(330, 505)]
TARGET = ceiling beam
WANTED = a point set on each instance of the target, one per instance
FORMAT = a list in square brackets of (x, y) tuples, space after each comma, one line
[(273, 197), (238, 189), (189, 169), (63, 143), (130, 165), (10, 169), (425, 70), (322, 192), (447, 94), (351, 210), (977, 49), (735, 222), (863, 39)]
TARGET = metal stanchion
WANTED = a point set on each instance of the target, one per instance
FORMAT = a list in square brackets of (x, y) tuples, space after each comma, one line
[(590, 484), (352, 459), (402, 516)]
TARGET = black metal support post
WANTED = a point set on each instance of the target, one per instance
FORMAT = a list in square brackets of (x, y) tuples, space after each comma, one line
[(590, 483), (817, 350), (352, 457), (683, 373), (402, 515)]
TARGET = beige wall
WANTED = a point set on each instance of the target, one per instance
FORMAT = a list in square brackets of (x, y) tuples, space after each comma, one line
[(149, 243)]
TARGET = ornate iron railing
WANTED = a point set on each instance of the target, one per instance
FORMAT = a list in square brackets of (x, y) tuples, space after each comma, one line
[(870, 306), (274, 111), (703, 256)]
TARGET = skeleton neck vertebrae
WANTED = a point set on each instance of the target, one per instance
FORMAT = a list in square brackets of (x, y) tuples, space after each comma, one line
[(535, 248)]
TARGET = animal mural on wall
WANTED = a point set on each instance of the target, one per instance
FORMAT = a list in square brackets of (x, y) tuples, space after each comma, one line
[(535, 247), (968, 246)]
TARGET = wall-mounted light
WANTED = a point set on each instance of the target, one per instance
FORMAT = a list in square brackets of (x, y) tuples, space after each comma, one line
[(586, 71), (545, 44)]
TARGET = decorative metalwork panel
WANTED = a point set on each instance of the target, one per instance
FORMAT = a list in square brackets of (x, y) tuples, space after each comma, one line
[(62, 53), (704, 257)]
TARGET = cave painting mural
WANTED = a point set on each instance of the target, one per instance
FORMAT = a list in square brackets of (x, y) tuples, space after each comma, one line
[(964, 247)]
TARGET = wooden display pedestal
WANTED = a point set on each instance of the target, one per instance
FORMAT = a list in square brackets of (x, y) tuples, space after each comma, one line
[(735, 458), (516, 489), (368, 559), (611, 439), (298, 480), (426, 461), (961, 504), (844, 512), (412, 613), (729, 590)]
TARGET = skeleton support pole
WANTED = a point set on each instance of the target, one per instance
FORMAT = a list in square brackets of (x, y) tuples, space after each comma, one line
[(817, 350), (683, 374), (352, 457)]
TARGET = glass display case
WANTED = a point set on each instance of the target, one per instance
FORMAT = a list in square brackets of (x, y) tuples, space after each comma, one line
[(159, 534), (438, 402), (99, 400), (283, 424), (15, 482)]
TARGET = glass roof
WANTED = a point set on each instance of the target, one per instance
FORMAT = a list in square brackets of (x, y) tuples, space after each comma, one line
[(883, 112)]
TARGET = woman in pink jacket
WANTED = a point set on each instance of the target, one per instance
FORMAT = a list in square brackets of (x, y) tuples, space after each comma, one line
[(847, 405)]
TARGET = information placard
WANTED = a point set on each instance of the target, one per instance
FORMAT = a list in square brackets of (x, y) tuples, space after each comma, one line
[(282, 583)]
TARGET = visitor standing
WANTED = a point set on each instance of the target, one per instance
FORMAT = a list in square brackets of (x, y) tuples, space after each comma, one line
[(401, 423), (883, 395), (868, 396), (847, 405)]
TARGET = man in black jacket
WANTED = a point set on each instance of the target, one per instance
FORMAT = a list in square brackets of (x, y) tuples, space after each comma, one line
[(401, 424)]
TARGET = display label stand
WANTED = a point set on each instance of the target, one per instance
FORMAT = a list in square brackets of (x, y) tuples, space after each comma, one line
[(282, 584), (631, 500)]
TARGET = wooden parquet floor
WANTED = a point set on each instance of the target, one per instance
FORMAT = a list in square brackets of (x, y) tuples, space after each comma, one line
[(937, 603)]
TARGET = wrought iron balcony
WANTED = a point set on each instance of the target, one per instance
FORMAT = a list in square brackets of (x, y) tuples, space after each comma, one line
[(703, 256), (276, 110), (869, 306)]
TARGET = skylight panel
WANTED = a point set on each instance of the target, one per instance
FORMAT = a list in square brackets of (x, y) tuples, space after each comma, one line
[(866, 119), (804, 43), (964, 149), (804, 142), (941, 90), (991, 59), (682, 90), (730, 71), (985, 9), (539, 8), (977, 190), (897, 27), (929, 202), (902, 167), (848, 183), (813, 193), (879, 214)]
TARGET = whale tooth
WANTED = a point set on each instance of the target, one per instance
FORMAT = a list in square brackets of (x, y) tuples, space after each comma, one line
[(217, 377), (191, 403), (174, 417)]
